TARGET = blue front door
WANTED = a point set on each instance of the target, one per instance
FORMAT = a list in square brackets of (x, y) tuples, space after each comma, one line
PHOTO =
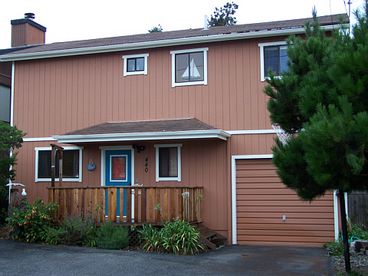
[(118, 173)]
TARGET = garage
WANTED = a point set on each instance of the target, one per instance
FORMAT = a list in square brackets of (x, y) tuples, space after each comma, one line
[(266, 212)]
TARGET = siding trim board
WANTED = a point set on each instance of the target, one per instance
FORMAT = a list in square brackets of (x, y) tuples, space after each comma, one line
[(234, 231), (12, 94)]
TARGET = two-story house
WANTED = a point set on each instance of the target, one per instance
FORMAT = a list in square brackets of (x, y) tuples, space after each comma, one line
[(168, 109)]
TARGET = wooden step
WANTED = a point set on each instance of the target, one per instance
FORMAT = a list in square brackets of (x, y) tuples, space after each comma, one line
[(210, 238)]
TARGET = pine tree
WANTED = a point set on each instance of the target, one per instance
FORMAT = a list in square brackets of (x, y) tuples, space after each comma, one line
[(224, 16), (322, 103)]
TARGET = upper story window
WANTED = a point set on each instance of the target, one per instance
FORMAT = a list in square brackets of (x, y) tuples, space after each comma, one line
[(72, 164), (135, 64), (189, 67), (168, 162), (273, 58)]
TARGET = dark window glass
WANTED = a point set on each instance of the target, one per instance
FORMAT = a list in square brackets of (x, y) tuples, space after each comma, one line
[(135, 64), (275, 59), (168, 162), (189, 67), (70, 164)]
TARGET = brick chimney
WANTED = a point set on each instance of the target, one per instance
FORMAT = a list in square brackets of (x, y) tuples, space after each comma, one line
[(27, 32)]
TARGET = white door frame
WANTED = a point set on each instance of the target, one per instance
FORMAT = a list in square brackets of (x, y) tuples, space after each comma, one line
[(233, 195)]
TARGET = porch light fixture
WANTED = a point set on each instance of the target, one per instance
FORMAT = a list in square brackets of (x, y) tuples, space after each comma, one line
[(139, 148)]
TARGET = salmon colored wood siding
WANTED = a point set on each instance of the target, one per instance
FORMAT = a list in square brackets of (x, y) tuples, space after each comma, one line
[(55, 96), (262, 200), (203, 164), (64, 94)]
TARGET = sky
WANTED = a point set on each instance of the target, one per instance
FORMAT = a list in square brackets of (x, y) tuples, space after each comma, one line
[(81, 19)]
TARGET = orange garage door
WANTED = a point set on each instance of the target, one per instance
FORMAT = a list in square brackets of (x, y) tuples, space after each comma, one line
[(270, 213)]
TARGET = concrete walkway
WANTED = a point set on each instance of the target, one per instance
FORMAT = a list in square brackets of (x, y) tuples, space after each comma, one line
[(33, 259)]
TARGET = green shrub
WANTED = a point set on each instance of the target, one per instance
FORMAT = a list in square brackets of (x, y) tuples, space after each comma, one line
[(335, 248), (110, 236), (178, 237), (151, 238), (30, 221), (358, 233), (54, 235), (76, 231)]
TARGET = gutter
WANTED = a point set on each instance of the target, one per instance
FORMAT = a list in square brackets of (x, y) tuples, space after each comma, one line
[(156, 44), (143, 136)]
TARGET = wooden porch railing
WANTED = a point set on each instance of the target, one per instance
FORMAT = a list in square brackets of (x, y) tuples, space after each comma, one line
[(131, 205)]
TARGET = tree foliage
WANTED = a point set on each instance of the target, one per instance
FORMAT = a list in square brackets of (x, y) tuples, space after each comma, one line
[(224, 16), (156, 29), (322, 102), (10, 139)]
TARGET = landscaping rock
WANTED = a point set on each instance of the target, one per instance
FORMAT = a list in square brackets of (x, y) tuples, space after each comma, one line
[(360, 246), (359, 262)]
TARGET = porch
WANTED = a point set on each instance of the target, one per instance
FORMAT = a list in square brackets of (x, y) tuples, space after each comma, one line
[(129, 205)]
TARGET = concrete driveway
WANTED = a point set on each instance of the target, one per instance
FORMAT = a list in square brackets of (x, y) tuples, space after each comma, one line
[(34, 259)]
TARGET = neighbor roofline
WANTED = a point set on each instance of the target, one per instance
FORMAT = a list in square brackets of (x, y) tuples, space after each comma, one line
[(143, 136), (158, 43)]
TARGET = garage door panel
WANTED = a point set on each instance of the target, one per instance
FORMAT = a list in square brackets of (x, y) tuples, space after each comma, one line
[(257, 173), (278, 214), (262, 199), (286, 233), (294, 227), (278, 220), (267, 197), (281, 209), (272, 191), (294, 203), (278, 239)]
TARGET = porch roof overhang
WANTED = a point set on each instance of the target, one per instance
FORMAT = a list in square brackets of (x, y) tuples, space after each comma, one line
[(173, 129)]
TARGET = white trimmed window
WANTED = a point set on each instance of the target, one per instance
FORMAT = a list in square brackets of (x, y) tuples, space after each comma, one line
[(168, 162), (72, 164), (189, 67), (274, 58), (135, 64)]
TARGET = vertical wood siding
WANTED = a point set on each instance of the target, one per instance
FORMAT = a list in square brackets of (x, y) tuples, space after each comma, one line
[(64, 94), (203, 164)]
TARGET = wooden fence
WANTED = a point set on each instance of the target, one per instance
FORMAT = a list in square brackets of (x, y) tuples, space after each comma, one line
[(358, 208), (132, 205)]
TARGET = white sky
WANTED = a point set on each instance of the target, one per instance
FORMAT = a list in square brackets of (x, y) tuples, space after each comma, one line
[(82, 19)]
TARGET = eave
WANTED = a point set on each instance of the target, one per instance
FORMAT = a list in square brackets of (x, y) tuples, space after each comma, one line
[(143, 136), (157, 43)]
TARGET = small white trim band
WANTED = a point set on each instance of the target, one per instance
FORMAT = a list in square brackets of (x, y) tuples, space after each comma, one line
[(38, 139)]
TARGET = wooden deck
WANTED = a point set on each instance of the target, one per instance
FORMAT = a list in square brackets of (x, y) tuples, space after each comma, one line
[(130, 205)]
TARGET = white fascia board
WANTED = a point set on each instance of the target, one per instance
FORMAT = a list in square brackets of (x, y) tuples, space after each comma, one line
[(157, 44), (145, 136)]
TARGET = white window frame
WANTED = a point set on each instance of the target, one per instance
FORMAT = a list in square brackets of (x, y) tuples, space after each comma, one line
[(125, 65), (176, 178), (77, 179), (187, 51), (261, 51)]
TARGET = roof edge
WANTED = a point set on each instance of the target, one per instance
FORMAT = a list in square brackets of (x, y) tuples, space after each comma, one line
[(158, 43), (143, 136)]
